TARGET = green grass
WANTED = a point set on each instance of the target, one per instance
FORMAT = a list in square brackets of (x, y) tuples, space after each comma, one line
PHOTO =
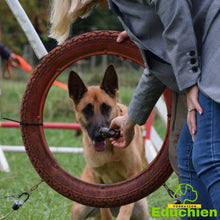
[(44, 202)]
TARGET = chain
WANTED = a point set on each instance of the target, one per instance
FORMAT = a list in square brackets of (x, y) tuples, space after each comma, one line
[(35, 186), (176, 197), (20, 199)]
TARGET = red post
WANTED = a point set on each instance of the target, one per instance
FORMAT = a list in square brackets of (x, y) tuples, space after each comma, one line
[(147, 126), (51, 125)]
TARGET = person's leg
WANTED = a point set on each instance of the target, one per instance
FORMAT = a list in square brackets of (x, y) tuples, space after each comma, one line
[(188, 175), (206, 151)]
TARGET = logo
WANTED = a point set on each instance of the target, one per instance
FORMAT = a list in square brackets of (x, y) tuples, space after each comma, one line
[(184, 209), (182, 189), (186, 186)]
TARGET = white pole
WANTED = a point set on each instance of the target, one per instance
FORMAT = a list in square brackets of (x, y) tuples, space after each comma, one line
[(162, 110), (28, 28), (3, 162), (21, 149)]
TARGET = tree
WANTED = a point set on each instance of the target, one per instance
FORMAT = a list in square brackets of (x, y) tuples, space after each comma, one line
[(99, 19), (11, 32), (38, 12)]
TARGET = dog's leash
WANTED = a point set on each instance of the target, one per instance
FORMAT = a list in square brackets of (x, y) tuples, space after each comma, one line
[(21, 199), (176, 197)]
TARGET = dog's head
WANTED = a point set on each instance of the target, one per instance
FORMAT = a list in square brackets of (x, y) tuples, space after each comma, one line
[(95, 106)]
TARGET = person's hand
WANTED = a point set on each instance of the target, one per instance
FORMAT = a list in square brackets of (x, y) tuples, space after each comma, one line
[(193, 107), (12, 57), (122, 37), (126, 126)]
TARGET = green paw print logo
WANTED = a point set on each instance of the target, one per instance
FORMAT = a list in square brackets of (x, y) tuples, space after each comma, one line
[(183, 188)]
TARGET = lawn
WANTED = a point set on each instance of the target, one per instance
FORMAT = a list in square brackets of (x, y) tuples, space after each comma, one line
[(44, 202)]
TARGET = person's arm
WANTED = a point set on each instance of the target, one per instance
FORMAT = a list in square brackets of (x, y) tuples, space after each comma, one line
[(144, 99), (180, 39), (147, 93), (181, 43)]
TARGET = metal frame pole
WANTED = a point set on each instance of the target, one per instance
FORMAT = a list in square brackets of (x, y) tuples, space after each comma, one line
[(28, 28)]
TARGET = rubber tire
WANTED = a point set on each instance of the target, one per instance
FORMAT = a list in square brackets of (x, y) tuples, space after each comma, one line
[(96, 195)]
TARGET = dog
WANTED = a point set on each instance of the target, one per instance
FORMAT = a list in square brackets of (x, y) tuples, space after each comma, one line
[(95, 107)]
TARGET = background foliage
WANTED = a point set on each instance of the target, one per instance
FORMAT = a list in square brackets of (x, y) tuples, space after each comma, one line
[(38, 12)]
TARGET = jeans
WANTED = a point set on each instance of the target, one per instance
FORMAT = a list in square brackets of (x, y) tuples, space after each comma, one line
[(199, 161)]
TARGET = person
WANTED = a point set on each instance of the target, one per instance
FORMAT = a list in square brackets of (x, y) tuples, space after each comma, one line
[(186, 35), (179, 41), (6, 53)]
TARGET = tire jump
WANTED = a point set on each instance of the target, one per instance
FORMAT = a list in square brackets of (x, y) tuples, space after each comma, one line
[(31, 117)]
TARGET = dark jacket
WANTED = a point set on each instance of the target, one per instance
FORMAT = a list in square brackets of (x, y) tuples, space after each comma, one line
[(4, 52)]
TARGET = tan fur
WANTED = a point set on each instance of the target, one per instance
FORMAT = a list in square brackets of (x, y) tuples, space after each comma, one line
[(64, 12), (112, 165)]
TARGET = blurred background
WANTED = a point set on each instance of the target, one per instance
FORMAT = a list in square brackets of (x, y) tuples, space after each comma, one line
[(37, 10)]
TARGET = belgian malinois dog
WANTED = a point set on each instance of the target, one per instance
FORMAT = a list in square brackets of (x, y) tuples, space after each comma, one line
[(95, 107)]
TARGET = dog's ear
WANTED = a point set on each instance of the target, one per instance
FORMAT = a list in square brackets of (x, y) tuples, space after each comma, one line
[(76, 87), (110, 81)]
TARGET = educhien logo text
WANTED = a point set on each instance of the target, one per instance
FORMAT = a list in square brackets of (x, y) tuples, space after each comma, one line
[(183, 210)]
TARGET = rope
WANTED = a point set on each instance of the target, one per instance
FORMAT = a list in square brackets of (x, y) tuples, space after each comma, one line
[(7, 215), (24, 123)]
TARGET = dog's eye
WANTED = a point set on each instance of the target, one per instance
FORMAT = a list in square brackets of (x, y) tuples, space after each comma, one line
[(88, 111), (105, 109)]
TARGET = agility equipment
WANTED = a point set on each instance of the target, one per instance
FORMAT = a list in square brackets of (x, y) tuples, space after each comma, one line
[(51, 66)]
